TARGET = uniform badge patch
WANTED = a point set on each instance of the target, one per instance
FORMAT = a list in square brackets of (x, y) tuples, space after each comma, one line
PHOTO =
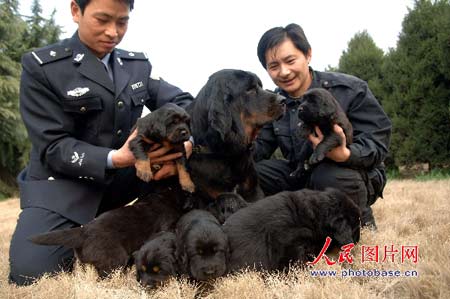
[(137, 85), (77, 158), (78, 92), (79, 57)]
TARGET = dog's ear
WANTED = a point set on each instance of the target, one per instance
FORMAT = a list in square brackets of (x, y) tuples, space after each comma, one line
[(181, 255), (155, 129), (219, 116)]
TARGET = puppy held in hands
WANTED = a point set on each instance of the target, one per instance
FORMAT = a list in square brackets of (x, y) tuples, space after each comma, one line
[(318, 107), (202, 246), (168, 126), (155, 261)]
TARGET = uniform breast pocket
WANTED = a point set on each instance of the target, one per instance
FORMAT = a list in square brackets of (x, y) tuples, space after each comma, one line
[(138, 101), (86, 113)]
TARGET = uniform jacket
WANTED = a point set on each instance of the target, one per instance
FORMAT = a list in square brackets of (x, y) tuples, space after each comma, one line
[(75, 115), (371, 126)]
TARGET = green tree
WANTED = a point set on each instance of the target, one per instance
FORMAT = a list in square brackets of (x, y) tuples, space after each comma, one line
[(363, 59), (417, 86), (16, 37)]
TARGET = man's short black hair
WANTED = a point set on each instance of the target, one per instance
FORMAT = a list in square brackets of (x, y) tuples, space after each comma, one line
[(275, 36), (83, 3)]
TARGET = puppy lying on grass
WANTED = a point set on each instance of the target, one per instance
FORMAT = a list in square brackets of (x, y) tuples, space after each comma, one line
[(155, 261), (108, 241), (168, 126)]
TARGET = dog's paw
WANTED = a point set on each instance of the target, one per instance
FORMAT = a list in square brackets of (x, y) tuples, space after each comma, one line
[(188, 186), (143, 170), (316, 158)]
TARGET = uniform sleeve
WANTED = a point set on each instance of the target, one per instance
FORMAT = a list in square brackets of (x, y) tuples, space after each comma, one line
[(265, 144), (162, 92), (52, 131), (371, 130)]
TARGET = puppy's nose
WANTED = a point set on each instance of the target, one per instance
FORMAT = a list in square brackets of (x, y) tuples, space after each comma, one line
[(209, 272), (281, 100), (184, 133)]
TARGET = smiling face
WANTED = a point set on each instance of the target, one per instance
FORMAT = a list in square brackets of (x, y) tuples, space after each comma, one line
[(288, 68), (102, 25)]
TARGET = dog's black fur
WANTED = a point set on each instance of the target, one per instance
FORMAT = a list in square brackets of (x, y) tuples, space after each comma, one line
[(108, 241), (318, 107), (224, 205), (290, 226), (155, 261), (226, 116), (168, 126), (202, 246)]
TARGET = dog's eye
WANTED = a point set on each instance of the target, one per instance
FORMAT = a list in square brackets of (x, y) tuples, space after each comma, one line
[(143, 268), (156, 269)]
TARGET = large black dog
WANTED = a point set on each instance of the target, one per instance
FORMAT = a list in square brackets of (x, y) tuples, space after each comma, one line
[(168, 126), (318, 107), (226, 115), (156, 261), (290, 226), (202, 246), (108, 241)]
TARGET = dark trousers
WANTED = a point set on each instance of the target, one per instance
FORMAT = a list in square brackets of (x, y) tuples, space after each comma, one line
[(29, 261), (274, 176)]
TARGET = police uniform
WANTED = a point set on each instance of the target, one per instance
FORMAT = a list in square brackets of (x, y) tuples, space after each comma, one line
[(371, 138), (75, 114)]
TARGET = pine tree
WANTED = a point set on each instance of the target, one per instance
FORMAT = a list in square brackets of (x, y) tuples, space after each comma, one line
[(417, 86)]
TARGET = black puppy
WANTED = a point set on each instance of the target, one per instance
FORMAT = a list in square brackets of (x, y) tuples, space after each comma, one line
[(290, 226), (155, 261), (318, 107), (227, 115), (168, 126), (108, 241), (224, 205), (202, 246)]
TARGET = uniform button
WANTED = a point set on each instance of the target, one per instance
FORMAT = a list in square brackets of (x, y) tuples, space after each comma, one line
[(142, 101), (120, 104), (83, 109), (119, 132), (325, 83), (276, 129), (67, 49), (294, 110)]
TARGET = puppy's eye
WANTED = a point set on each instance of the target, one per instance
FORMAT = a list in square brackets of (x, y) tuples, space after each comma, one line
[(156, 269), (143, 268)]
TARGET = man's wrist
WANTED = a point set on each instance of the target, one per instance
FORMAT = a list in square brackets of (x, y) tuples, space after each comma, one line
[(109, 160)]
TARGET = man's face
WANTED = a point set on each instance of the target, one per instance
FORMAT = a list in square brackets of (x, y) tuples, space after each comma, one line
[(288, 68), (102, 25)]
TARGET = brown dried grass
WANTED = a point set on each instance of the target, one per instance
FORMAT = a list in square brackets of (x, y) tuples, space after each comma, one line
[(411, 213)]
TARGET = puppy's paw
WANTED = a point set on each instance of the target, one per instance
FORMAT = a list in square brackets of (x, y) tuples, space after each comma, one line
[(187, 186), (143, 170), (316, 158)]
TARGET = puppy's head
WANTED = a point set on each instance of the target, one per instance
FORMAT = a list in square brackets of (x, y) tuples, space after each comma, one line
[(316, 104), (237, 105), (203, 247), (345, 218), (155, 261), (170, 124)]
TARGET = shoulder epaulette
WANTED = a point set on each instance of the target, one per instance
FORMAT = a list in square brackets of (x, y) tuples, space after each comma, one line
[(131, 55), (51, 53)]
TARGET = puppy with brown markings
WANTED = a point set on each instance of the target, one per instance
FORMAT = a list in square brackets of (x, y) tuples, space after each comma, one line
[(155, 261), (202, 246), (168, 126), (108, 241), (227, 115), (290, 226), (318, 107)]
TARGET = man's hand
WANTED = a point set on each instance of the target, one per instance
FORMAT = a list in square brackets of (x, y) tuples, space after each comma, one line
[(338, 154), (168, 169), (123, 157)]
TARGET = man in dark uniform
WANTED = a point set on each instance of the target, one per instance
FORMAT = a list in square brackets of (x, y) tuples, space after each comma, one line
[(79, 99), (357, 169)]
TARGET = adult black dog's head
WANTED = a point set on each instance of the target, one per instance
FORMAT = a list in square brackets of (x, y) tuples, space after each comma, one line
[(155, 261), (202, 246), (317, 104), (170, 124), (231, 108)]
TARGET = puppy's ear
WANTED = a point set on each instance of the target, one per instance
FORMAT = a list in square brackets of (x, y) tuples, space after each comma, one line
[(181, 256), (342, 231), (219, 116)]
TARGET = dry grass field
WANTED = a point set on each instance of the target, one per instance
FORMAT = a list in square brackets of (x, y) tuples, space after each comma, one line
[(412, 215)]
